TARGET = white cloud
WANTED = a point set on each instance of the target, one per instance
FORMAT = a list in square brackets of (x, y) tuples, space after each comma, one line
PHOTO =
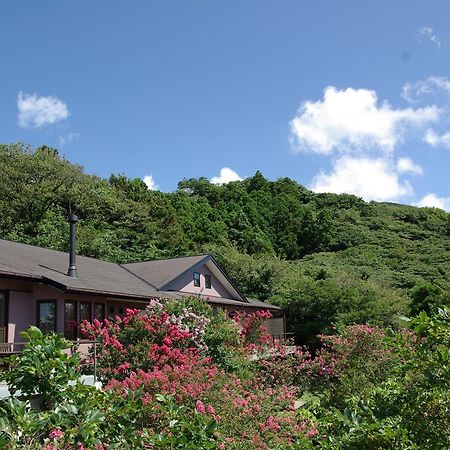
[(352, 121), (406, 165), (433, 201), (427, 34), (371, 179), (413, 92), (226, 175), (436, 140), (68, 138), (150, 182), (34, 111)]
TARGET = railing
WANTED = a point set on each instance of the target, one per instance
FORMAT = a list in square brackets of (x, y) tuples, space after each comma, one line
[(8, 348), (283, 338), (83, 347)]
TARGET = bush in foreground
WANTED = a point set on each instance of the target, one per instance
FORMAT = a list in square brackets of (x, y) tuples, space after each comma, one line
[(364, 388)]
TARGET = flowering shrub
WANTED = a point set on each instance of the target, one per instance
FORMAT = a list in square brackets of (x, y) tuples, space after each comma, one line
[(140, 340), (247, 413), (247, 410), (186, 382), (169, 385), (347, 363), (256, 416), (407, 409), (253, 331)]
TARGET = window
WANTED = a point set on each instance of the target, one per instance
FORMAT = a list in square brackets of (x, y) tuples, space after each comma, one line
[(208, 281), (70, 320), (85, 311), (76, 313), (3, 315), (99, 311), (196, 279), (46, 315)]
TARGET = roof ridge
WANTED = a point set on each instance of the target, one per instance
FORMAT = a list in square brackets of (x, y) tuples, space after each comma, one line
[(170, 259), (138, 277)]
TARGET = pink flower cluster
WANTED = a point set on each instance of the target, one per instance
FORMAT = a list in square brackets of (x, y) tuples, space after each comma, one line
[(253, 331), (152, 353), (140, 340), (55, 434)]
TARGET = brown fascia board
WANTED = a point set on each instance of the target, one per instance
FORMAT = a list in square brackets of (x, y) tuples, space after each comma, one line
[(109, 294), (231, 302), (20, 276), (96, 291), (64, 288)]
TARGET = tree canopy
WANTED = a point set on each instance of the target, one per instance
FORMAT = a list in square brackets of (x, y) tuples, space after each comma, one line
[(328, 259)]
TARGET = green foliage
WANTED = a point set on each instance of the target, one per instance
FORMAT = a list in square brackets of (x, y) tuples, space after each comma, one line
[(182, 430), (44, 368), (409, 407), (328, 259), (225, 346), (427, 297), (365, 388)]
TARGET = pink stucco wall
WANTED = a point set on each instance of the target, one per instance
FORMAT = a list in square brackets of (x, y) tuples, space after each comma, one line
[(21, 314), (20, 311), (23, 297), (186, 284)]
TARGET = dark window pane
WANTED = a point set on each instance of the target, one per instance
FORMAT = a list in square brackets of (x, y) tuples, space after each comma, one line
[(47, 316), (3, 316), (196, 279), (208, 281), (70, 320), (2, 309), (85, 312), (99, 311)]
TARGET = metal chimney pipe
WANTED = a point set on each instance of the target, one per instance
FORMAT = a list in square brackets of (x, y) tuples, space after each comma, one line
[(72, 272)]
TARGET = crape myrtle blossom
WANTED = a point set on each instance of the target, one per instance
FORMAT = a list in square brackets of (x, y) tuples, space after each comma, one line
[(156, 351)]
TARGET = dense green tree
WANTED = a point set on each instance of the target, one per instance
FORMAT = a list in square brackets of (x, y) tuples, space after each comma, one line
[(328, 259)]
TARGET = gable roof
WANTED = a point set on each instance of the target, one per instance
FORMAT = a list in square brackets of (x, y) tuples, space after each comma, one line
[(142, 280), (159, 273), (163, 273)]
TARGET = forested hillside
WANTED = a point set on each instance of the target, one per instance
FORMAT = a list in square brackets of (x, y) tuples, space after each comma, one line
[(329, 259)]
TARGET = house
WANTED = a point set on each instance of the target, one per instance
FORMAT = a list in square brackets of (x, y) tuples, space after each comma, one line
[(36, 288)]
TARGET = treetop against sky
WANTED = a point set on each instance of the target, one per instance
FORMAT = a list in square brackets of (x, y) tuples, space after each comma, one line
[(341, 96)]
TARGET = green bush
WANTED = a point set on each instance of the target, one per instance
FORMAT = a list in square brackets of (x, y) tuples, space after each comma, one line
[(44, 367), (410, 407)]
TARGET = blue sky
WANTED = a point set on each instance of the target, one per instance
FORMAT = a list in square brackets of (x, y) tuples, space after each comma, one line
[(342, 96)]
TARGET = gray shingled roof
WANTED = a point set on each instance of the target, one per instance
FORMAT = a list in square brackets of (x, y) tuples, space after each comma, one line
[(136, 280), (51, 266), (259, 304), (160, 272)]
